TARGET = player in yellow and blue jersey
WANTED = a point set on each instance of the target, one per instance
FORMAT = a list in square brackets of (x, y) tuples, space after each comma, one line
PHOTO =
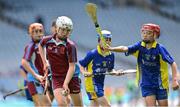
[(97, 61), (152, 65)]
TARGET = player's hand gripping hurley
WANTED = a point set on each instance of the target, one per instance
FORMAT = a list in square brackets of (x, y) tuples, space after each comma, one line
[(91, 9)]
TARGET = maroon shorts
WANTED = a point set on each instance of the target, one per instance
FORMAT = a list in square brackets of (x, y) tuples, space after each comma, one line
[(74, 84), (34, 88)]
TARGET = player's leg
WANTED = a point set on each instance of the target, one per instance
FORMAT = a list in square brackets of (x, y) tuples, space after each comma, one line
[(163, 102), (40, 100), (37, 95), (94, 103), (61, 100), (36, 101), (44, 100), (68, 100), (50, 95), (162, 97), (103, 101), (150, 100), (75, 91), (34, 93), (49, 92), (149, 95), (76, 99), (57, 83)]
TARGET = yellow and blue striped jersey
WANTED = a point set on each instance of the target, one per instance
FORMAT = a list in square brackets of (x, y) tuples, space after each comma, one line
[(152, 64), (96, 62)]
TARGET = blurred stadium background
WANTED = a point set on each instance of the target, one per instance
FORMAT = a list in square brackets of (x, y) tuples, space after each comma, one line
[(123, 17)]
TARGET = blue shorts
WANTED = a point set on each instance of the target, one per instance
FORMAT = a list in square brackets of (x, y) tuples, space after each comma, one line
[(94, 95), (28, 95), (160, 94)]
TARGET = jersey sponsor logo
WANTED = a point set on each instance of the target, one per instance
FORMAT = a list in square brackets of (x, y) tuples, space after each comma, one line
[(102, 70), (149, 57), (98, 64), (98, 70), (149, 60), (148, 63)]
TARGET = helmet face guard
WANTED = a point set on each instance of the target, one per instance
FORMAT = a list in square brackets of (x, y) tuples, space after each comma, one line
[(64, 22), (153, 27)]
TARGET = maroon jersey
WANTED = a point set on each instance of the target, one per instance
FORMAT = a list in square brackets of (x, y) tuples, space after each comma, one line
[(59, 54), (32, 55)]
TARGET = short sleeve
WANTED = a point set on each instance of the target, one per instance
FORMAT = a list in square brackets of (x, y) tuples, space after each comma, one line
[(72, 53), (28, 52), (132, 49), (45, 39), (43, 42), (165, 55), (87, 59)]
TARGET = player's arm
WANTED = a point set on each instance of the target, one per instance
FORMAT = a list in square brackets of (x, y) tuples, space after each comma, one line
[(42, 54), (23, 74), (84, 72), (167, 58), (118, 48), (69, 76), (174, 76), (85, 62), (28, 68), (132, 49), (70, 73), (72, 59), (43, 57)]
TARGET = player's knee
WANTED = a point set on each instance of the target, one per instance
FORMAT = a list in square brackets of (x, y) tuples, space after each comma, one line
[(61, 103)]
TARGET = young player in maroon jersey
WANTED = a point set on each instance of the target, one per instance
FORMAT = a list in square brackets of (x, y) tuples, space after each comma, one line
[(32, 63), (62, 56)]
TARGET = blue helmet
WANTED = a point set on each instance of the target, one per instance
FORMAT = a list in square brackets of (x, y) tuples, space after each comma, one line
[(106, 34)]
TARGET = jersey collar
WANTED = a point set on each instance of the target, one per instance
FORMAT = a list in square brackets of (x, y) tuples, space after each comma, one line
[(153, 45)]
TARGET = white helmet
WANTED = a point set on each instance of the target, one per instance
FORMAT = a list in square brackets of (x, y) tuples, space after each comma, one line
[(64, 22)]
